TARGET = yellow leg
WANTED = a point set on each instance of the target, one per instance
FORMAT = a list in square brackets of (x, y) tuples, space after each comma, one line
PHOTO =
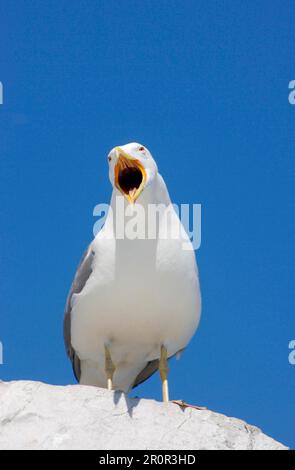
[(109, 368), (163, 368)]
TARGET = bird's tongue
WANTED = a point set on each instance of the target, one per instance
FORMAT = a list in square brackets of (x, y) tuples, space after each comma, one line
[(132, 192)]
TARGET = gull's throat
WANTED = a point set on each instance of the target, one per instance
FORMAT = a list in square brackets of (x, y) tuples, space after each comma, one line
[(130, 177)]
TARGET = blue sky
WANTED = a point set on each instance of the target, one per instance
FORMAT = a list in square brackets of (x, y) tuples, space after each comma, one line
[(204, 85)]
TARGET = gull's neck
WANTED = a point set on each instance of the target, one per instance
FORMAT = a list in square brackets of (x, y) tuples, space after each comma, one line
[(155, 193)]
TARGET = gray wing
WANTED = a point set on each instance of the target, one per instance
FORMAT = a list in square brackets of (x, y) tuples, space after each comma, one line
[(82, 275), (150, 369)]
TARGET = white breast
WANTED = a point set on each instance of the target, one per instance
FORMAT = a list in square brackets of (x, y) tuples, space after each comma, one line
[(141, 294)]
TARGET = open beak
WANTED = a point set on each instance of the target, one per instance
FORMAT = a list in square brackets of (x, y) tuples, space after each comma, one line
[(130, 176)]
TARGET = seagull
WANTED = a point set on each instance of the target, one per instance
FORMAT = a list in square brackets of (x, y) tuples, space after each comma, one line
[(135, 300)]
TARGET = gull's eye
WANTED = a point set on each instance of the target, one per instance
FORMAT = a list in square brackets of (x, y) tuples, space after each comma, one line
[(109, 158), (141, 149)]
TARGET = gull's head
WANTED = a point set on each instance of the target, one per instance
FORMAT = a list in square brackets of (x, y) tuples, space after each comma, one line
[(131, 169)]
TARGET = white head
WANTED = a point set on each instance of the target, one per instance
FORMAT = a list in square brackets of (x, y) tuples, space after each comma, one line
[(131, 169)]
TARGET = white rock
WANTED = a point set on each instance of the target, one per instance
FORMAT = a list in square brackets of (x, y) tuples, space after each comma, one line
[(34, 415)]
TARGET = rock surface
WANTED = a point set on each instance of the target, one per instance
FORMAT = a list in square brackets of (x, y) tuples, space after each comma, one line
[(34, 415)]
